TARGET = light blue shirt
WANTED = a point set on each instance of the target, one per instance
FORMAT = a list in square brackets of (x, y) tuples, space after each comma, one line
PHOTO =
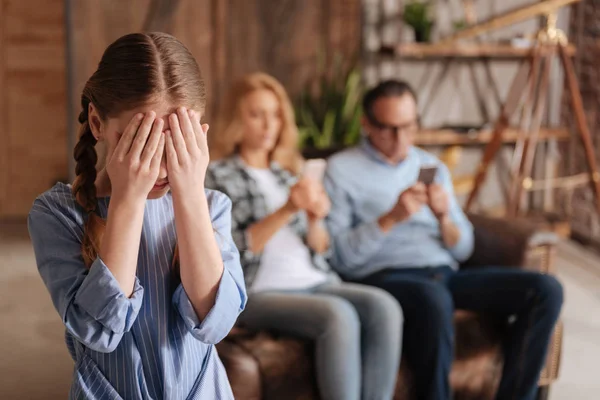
[(362, 187), (151, 345)]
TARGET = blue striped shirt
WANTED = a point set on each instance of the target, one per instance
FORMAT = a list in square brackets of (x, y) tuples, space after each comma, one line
[(363, 187), (151, 345)]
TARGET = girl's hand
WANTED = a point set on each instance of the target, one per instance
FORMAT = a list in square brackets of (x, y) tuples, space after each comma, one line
[(187, 151), (134, 163)]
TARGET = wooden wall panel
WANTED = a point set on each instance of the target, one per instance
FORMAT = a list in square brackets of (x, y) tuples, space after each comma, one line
[(228, 37), (33, 102), (4, 146), (192, 24), (96, 24)]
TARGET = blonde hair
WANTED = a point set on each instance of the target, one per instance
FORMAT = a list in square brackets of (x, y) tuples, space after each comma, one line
[(225, 139)]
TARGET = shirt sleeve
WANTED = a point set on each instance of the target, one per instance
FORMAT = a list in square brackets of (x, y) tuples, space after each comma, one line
[(90, 301), (462, 250), (352, 244), (231, 294)]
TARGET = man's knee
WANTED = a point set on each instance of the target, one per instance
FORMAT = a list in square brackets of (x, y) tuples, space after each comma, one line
[(549, 291), (436, 304)]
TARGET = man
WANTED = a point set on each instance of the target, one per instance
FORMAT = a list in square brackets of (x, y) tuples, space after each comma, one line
[(390, 231)]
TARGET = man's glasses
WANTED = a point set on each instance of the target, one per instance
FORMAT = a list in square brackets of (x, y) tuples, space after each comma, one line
[(394, 130)]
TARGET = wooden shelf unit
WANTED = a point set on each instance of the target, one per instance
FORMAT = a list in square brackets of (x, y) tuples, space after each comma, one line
[(466, 50), (448, 137)]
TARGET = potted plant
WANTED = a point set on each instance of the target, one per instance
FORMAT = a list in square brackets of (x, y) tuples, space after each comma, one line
[(328, 112), (417, 15), (460, 25)]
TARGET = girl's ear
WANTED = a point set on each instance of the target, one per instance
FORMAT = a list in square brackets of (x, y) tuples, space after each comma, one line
[(96, 124)]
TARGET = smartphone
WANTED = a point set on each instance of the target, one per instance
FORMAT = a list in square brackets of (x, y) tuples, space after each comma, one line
[(314, 169), (427, 174)]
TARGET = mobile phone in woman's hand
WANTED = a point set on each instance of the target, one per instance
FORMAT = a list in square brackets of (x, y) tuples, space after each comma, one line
[(314, 169)]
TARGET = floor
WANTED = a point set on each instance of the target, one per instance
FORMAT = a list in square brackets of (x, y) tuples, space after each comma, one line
[(35, 364)]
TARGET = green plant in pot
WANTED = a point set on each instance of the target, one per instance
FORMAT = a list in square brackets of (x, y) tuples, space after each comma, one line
[(460, 25), (417, 15), (328, 113)]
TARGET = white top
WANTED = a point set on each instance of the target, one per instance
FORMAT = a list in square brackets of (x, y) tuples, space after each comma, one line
[(286, 262)]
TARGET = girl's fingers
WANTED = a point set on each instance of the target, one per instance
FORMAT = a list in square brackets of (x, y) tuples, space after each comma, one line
[(177, 136), (201, 132), (158, 153), (124, 144), (172, 158), (187, 129), (153, 142), (142, 135)]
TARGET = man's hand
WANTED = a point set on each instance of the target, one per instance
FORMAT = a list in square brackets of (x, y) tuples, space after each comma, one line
[(409, 202), (438, 201)]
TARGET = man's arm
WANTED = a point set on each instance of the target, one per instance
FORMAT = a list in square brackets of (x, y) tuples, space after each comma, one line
[(450, 232), (352, 245), (455, 228)]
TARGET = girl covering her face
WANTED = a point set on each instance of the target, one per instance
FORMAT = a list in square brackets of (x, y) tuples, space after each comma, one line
[(138, 258)]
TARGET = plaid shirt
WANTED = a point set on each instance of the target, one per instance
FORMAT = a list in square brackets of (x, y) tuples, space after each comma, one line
[(249, 206)]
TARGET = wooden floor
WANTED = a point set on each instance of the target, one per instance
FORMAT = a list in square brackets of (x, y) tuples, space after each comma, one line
[(579, 271), (34, 363)]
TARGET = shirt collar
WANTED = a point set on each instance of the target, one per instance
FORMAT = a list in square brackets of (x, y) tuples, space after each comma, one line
[(373, 153), (241, 164)]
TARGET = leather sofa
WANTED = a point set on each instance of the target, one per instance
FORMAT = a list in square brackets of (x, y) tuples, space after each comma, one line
[(265, 365)]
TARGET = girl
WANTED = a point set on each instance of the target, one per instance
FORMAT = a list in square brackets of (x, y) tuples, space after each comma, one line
[(139, 259), (277, 225)]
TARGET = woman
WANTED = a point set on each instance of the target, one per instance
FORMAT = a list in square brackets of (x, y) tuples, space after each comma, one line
[(139, 259), (277, 225)]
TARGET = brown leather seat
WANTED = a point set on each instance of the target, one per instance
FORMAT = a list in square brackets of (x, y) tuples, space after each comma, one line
[(263, 365)]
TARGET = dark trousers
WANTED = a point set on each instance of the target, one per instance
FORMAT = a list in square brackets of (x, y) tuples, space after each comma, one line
[(429, 296)]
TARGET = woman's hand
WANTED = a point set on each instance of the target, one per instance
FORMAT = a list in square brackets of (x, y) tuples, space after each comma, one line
[(302, 195), (187, 151), (134, 163), (310, 196), (321, 206)]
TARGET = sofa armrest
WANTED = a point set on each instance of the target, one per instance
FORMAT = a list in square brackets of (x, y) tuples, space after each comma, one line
[(506, 242), (243, 370)]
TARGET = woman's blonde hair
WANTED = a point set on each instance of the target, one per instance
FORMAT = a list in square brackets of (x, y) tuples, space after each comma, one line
[(225, 139)]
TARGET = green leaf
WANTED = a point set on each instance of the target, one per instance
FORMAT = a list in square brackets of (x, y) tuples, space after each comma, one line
[(328, 111), (327, 133), (353, 134)]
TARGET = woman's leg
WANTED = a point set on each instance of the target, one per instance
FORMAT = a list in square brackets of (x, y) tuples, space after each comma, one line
[(381, 331), (329, 320)]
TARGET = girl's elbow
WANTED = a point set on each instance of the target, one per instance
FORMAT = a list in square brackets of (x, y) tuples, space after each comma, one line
[(94, 336), (102, 342)]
